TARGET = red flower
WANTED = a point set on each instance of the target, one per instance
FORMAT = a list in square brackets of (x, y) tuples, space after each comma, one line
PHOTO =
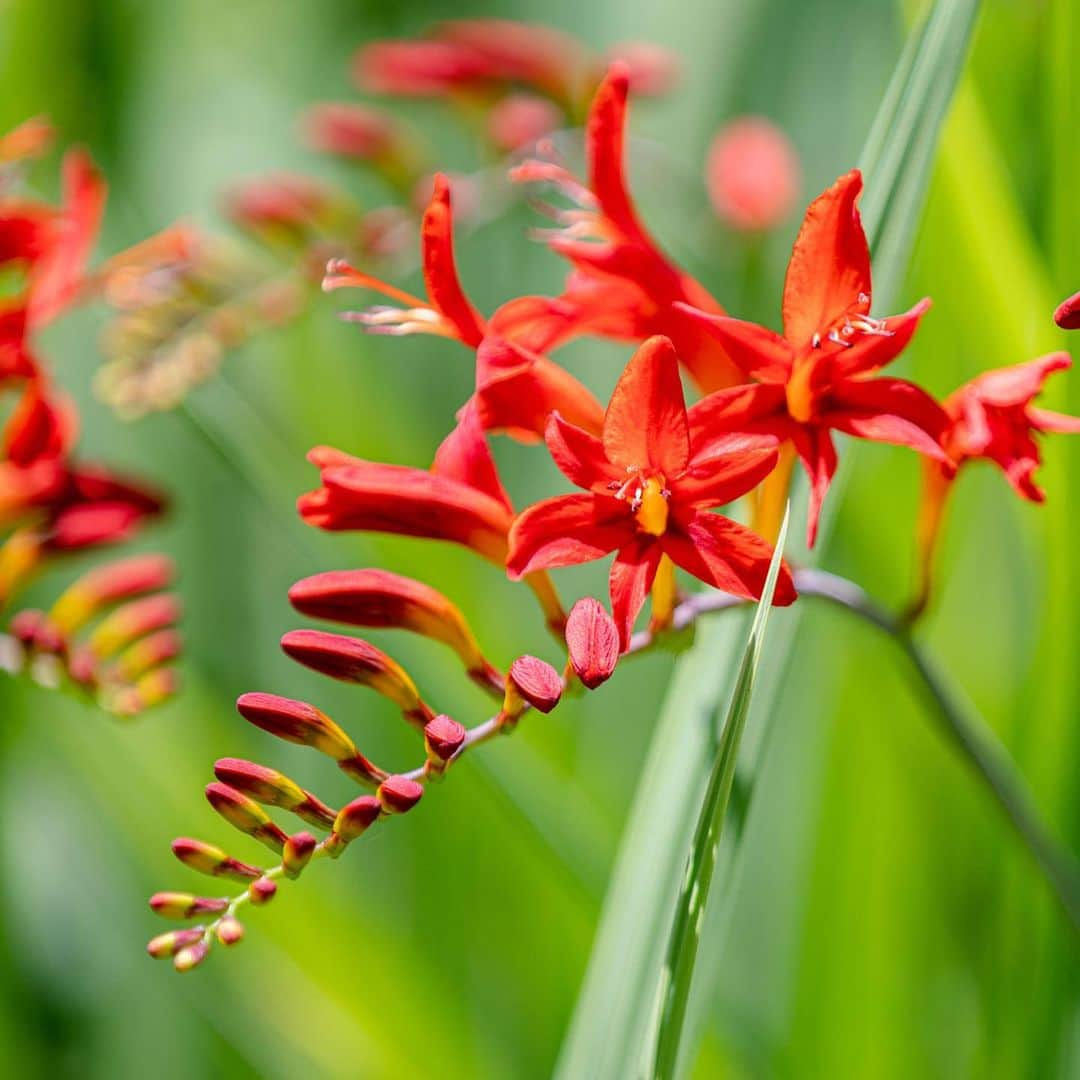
[(815, 378), (649, 486), (516, 386), (991, 418), (624, 281)]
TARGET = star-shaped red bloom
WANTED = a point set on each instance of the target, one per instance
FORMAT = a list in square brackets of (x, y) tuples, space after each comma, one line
[(649, 486), (816, 377), (993, 417)]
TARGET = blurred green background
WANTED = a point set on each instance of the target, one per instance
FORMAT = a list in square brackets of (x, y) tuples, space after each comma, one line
[(887, 922)]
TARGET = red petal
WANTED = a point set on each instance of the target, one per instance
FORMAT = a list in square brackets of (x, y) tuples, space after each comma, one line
[(888, 410), (1045, 420), (605, 136), (1067, 315), (518, 390), (440, 271), (757, 352), (645, 424), (631, 578), (815, 448), (1018, 384), (464, 455), (566, 531), (726, 555), (755, 407), (873, 351), (580, 456), (830, 264), (717, 480), (58, 276)]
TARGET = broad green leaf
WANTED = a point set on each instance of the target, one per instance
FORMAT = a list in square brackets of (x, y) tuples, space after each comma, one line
[(673, 989), (608, 1029)]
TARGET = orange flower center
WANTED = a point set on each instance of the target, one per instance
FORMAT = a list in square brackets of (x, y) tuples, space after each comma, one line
[(800, 398), (650, 506)]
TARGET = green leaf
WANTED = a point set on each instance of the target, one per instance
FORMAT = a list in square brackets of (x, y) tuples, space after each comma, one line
[(673, 990), (608, 1031)]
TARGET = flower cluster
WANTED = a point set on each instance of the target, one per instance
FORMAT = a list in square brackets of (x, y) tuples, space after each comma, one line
[(181, 306), (654, 474), (52, 502)]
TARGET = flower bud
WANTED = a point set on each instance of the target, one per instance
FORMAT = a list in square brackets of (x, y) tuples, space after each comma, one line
[(378, 598), (172, 941), (534, 681), (132, 621), (352, 821), (146, 654), (592, 639), (398, 795), (191, 956), (298, 722), (243, 814), (153, 688), (262, 891), (107, 585), (297, 853), (178, 905), (271, 788), (207, 859), (229, 930), (443, 738), (752, 175), (356, 661)]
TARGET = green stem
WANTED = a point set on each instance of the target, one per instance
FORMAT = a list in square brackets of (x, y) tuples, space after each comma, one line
[(969, 733)]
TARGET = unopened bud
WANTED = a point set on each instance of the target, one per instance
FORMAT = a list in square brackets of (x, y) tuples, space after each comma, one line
[(178, 905), (352, 821), (299, 722), (229, 930), (398, 795), (244, 814), (207, 859), (592, 639), (262, 891), (378, 598), (534, 681), (147, 653), (271, 788), (171, 942), (356, 661), (443, 738), (191, 956), (297, 853), (109, 584), (132, 621)]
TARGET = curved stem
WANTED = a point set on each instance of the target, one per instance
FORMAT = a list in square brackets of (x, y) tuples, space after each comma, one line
[(968, 732)]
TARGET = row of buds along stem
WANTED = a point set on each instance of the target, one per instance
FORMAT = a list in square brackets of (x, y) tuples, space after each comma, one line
[(111, 635), (244, 793)]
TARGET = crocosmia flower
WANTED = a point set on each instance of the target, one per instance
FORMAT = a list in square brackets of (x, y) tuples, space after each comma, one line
[(815, 378), (649, 487), (516, 386), (622, 278), (990, 418)]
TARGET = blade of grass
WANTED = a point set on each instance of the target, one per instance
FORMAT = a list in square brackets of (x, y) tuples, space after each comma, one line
[(673, 989), (607, 1031)]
